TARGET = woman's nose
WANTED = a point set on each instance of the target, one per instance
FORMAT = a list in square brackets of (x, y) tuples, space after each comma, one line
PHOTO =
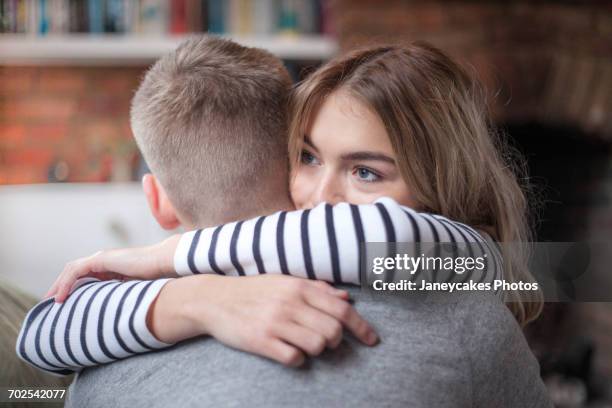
[(330, 191)]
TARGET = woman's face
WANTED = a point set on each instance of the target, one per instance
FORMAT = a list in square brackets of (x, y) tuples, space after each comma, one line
[(347, 157)]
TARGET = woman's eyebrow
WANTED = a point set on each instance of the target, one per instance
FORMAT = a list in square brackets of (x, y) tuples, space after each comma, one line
[(308, 142), (368, 156)]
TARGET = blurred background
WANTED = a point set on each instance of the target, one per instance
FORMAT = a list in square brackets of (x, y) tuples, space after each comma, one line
[(70, 171)]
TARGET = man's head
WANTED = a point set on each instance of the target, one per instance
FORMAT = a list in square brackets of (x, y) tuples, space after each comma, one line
[(210, 119)]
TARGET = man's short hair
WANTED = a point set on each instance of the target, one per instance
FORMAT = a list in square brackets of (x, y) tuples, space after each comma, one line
[(210, 119)]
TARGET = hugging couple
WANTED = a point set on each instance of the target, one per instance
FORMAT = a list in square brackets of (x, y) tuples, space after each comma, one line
[(278, 187)]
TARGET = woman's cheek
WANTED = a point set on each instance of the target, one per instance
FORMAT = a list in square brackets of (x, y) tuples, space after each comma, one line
[(360, 197), (400, 193), (361, 193), (299, 188), (367, 193)]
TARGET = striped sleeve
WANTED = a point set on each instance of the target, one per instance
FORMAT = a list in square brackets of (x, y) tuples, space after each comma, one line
[(100, 322), (323, 242)]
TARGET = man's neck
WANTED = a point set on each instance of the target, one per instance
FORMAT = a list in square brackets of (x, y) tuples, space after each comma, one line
[(241, 215)]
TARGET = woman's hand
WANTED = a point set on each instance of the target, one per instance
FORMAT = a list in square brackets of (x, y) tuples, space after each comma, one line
[(279, 317), (147, 263)]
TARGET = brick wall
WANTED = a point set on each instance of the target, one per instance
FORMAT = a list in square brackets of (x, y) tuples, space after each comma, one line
[(67, 122), (542, 61)]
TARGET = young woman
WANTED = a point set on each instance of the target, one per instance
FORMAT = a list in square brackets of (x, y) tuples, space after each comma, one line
[(403, 127)]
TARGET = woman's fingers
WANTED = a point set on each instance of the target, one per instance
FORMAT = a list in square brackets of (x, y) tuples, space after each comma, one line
[(282, 352), (63, 288), (320, 322), (68, 276), (52, 289), (343, 312), (343, 294), (60, 284), (93, 265), (139, 263), (71, 273), (282, 318), (274, 348), (302, 337)]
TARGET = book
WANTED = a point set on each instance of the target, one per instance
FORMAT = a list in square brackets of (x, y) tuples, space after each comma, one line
[(231, 17), (265, 16), (21, 17), (216, 16), (8, 16), (288, 20), (78, 17), (43, 17), (194, 15), (59, 15), (204, 15), (178, 16), (95, 14), (244, 17), (306, 13), (31, 22), (154, 16), (131, 16), (326, 25), (4, 17), (113, 16)]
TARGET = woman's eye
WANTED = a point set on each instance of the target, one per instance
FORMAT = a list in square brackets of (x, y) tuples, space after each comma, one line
[(308, 158), (367, 175)]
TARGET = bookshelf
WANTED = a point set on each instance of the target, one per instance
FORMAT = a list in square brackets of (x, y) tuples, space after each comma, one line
[(135, 32), (135, 49)]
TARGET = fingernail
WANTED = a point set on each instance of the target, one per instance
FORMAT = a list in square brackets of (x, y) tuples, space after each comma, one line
[(372, 338), (336, 292)]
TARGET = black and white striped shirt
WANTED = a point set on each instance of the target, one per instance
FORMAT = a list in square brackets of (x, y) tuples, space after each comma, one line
[(321, 243), (100, 322), (105, 321)]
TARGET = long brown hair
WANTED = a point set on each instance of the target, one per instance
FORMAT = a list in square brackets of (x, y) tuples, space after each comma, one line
[(438, 124)]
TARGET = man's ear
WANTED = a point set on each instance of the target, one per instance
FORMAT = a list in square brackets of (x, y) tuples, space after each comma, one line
[(161, 207)]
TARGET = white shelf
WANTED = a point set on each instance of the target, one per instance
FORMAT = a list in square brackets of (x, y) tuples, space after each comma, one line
[(85, 49)]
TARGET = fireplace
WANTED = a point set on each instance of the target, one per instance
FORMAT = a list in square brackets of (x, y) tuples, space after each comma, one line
[(570, 177)]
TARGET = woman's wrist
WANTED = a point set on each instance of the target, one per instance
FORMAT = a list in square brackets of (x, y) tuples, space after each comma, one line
[(164, 255), (174, 315)]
